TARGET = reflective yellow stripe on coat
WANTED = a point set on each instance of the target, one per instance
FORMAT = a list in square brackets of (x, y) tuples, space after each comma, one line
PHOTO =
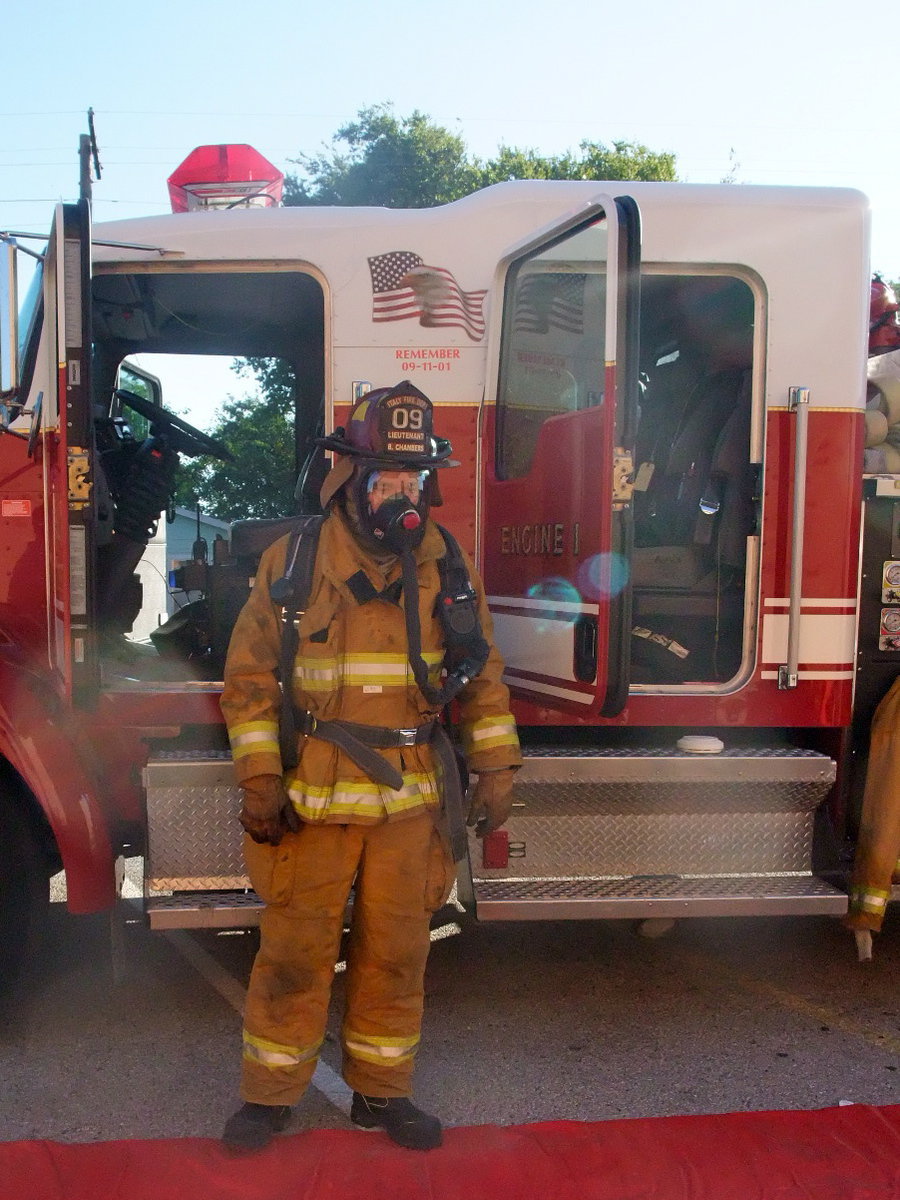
[(253, 737), (490, 733), (361, 670), (362, 800)]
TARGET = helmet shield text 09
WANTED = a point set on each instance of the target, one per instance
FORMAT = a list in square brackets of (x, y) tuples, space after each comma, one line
[(389, 428), (392, 427)]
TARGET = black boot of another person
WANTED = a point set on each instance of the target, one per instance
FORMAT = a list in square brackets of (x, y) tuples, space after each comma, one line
[(400, 1119), (252, 1126)]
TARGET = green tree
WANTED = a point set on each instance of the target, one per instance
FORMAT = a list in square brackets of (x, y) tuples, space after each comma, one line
[(623, 160), (260, 434), (410, 162), (405, 162)]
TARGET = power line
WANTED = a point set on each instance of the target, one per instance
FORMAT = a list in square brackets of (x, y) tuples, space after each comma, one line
[(73, 198), (110, 112), (140, 162), (480, 118)]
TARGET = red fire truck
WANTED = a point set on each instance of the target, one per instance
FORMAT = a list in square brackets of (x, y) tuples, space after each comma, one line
[(656, 392)]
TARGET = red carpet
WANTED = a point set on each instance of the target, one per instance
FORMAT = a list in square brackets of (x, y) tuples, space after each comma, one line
[(849, 1153)]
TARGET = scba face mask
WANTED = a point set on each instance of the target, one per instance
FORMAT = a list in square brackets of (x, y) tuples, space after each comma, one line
[(393, 508)]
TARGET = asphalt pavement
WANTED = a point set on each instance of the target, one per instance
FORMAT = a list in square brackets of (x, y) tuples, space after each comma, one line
[(524, 1022)]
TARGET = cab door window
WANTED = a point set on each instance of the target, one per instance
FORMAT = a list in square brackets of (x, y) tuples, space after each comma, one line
[(694, 498), (553, 349)]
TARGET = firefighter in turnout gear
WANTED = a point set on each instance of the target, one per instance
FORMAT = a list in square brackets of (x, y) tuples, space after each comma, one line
[(876, 864), (349, 779)]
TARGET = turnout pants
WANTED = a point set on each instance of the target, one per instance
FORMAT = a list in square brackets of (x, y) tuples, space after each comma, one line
[(878, 847), (403, 872)]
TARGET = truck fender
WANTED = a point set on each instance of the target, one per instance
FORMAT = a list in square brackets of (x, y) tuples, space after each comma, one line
[(39, 741)]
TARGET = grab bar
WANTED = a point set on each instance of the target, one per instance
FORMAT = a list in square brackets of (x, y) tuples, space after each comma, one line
[(798, 404)]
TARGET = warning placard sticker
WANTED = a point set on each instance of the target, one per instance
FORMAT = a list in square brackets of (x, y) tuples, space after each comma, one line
[(15, 508)]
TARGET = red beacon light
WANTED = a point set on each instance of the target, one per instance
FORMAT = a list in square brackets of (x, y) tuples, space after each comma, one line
[(225, 177)]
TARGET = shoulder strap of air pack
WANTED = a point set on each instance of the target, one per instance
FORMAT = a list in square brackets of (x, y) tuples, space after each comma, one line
[(293, 588), (292, 591), (452, 566)]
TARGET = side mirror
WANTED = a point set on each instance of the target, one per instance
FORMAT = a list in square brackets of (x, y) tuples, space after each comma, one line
[(9, 317)]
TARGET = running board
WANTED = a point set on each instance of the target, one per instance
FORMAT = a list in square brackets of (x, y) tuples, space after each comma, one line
[(554, 899), (642, 897), (204, 910)]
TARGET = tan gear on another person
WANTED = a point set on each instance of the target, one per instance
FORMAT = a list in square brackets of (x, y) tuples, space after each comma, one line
[(876, 863), (884, 317)]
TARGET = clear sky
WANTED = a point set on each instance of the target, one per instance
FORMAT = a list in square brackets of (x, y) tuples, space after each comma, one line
[(770, 92)]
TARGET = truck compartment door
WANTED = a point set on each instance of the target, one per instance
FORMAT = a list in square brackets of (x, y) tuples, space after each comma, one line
[(558, 470)]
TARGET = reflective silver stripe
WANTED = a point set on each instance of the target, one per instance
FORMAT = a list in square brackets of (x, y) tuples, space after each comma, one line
[(250, 735), (870, 901), (375, 667), (484, 730), (318, 674), (271, 1054), (247, 739), (252, 729), (400, 1051)]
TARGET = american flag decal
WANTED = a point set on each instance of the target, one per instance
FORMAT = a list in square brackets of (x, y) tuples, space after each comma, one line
[(550, 301), (403, 285)]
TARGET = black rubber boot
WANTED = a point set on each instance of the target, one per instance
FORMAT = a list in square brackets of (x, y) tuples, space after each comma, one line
[(252, 1126), (400, 1119)]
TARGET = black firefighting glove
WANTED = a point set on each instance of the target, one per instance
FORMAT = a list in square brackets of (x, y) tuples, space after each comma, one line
[(267, 812), (491, 800)]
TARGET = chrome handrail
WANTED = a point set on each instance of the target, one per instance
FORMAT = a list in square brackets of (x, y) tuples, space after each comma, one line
[(798, 404)]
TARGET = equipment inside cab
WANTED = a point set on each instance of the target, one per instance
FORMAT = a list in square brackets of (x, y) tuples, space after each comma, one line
[(164, 605), (695, 501), (136, 484)]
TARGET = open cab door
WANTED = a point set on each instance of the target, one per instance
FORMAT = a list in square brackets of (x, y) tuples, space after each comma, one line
[(558, 475), (69, 454)]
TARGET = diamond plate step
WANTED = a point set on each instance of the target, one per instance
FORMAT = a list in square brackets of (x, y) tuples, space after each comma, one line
[(592, 899), (198, 910), (193, 836), (747, 764), (597, 813)]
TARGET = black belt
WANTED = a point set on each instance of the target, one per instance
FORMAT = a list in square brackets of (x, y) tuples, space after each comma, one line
[(377, 735), (361, 744)]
